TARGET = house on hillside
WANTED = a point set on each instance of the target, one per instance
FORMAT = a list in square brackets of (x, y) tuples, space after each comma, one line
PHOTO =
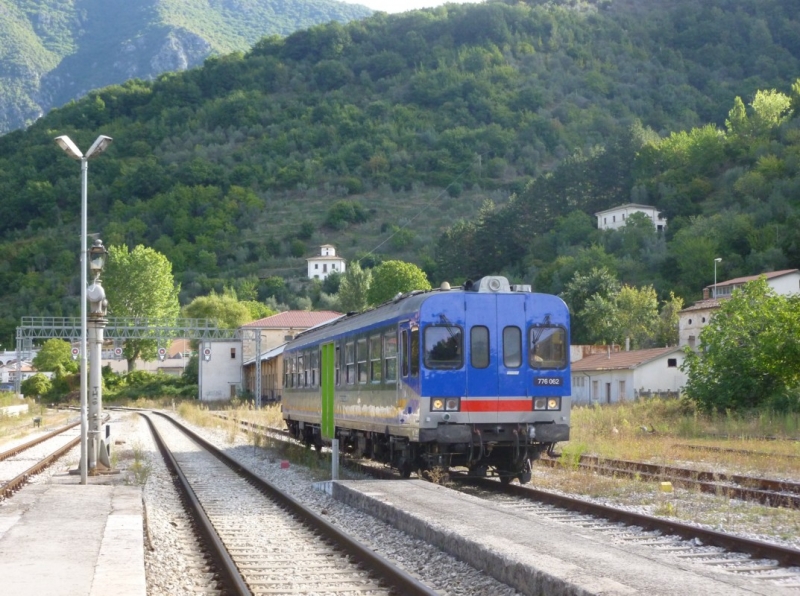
[(613, 377), (327, 262), (694, 318), (617, 217)]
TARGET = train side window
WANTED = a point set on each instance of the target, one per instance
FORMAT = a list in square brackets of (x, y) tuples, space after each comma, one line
[(314, 367), (548, 347), (390, 356), (404, 352), (375, 359), (479, 346), (350, 363), (301, 371), (512, 347), (337, 359), (361, 358), (443, 346), (286, 362), (414, 352)]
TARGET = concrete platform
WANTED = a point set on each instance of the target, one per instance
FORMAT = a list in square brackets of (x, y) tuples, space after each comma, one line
[(68, 539), (534, 554)]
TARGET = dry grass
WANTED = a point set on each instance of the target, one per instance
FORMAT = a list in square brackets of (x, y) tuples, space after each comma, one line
[(663, 431)]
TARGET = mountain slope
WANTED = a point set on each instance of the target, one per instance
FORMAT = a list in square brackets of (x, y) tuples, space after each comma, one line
[(53, 51)]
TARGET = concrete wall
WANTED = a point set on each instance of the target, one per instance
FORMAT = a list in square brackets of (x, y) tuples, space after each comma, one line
[(221, 375)]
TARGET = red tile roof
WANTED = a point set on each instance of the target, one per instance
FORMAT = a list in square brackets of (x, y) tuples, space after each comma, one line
[(294, 319), (744, 280), (620, 360), (709, 304)]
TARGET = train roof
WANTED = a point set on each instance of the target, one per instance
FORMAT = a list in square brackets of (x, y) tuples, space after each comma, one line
[(399, 306)]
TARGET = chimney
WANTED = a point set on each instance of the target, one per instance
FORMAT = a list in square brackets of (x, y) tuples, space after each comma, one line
[(705, 293), (627, 344), (609, 353)]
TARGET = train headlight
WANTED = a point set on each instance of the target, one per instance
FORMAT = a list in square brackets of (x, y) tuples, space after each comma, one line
[(554, 403), (452, 404), (540, 403), (437, 405)]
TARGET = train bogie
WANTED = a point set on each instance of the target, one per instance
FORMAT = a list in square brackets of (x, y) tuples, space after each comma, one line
[(475, 377)]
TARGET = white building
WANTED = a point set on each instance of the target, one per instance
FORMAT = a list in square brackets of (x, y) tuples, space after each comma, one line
[(619, 376), (326, 263), (616, 217), (220, 375), (693, 318)]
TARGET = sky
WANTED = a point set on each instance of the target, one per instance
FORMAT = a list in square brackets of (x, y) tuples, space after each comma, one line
[(403, 5)]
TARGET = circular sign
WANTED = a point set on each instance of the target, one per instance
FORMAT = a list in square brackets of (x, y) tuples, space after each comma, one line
[(117, 351), (207, 352), (75, 351), (162, 351)]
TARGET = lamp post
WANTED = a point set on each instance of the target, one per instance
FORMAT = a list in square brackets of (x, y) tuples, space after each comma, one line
[(717, 260), (101, 144), (96, 323)]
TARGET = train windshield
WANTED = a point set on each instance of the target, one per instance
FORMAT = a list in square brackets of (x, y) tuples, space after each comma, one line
[(443, 346), (548, 347)]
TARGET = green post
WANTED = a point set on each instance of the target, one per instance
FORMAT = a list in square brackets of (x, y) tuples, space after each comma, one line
[(327, 383)]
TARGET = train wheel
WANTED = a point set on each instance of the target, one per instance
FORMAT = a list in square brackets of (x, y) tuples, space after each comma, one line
[(505, 479)]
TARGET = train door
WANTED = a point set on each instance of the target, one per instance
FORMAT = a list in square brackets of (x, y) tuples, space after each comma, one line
[(511, 350), (481, 340), (408, 360)]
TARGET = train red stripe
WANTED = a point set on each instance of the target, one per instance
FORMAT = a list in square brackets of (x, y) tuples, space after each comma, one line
[(496, 405)]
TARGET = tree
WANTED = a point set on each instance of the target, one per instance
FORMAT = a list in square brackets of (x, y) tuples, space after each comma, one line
[(667, 333), (395, 277), (224, 310), (55, 355), (35, 386), (749, 356), (139, 284), (354, 287), (581, 288)]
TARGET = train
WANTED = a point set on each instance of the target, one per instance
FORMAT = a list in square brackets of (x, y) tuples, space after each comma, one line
[(476, 377)]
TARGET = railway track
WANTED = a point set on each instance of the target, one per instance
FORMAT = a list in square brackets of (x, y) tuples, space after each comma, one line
[(264, 541), (770, 562), (18, 464), (773, 493)]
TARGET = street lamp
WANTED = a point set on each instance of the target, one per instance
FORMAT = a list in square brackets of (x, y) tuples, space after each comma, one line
[(101, 144), (717, 260)]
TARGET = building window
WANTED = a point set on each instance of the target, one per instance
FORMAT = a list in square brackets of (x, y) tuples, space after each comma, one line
[(605, 220), (622, 390), (324, 267), (233, 353), (690, 321), (623, 217), (595, 390), (613, 218), (316, 265), (704, 319), (673, 362)]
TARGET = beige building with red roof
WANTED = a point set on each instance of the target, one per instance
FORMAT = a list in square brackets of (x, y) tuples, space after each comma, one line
[(694, 318), (612, 377)]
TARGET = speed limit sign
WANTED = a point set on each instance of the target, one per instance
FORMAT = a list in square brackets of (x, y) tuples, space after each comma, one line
[(162, 353), (75, 353)]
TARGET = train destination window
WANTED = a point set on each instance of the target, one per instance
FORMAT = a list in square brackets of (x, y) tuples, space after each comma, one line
[(361, 358), (414, 365), (443, 346), (390, 356), (375, 359), (548, 347), (512, 347), (404, 351), (479, 346), (350, 363)]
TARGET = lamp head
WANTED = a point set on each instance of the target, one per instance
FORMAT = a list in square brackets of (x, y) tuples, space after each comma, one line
[(97, 257), (718, 260), (67, 145), (100, 144)]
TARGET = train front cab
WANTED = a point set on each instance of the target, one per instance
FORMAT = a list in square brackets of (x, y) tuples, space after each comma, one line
[(494, 379)]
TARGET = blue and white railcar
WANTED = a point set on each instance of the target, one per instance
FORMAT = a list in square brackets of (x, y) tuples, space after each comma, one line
[(477, 376)]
